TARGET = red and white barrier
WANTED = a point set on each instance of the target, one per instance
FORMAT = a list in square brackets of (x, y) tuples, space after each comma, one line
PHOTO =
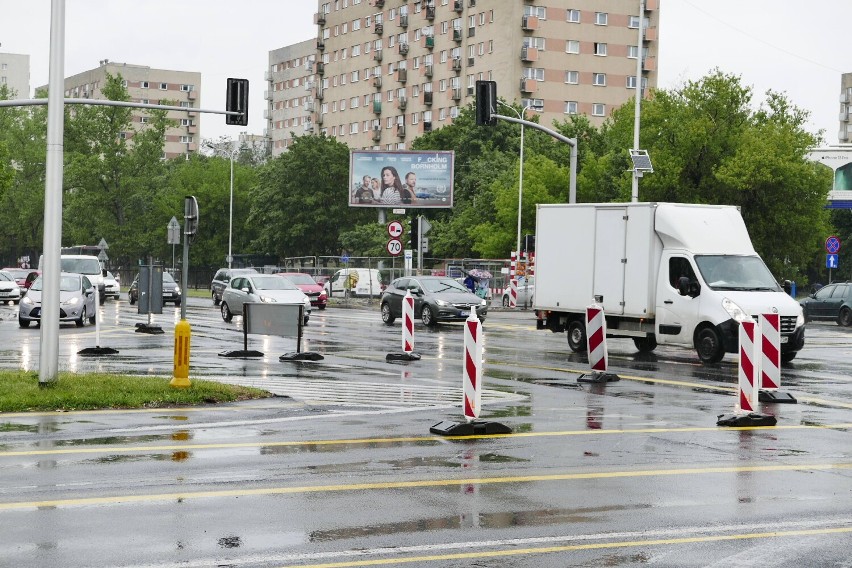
[(408, 322), (513, 264), (472, 366), (513, 293), (749, 368), (596, 338), (770, 363)]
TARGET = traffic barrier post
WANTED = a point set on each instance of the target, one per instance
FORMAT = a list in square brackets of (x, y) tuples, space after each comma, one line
[(97, 350), (770, 364), (596, 346), (513, 293), (748, 381), (408, 353)]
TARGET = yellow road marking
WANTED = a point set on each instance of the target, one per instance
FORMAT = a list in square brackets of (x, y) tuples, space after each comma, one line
[(575, 547), (418, 483)]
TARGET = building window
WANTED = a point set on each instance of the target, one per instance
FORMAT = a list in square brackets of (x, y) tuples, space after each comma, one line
[(573, 16), (570, 107), (599, 79), (186, 139), (530, 73), (600, 18), (186, 88), (572, 77), (143, 85), (164, 86), (144, 119), (600, 48), (598, 109), (572, 46), (632, 52), (633, 22)]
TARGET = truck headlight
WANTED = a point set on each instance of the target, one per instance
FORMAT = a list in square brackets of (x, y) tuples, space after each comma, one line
[(800, 319), (736, 312)]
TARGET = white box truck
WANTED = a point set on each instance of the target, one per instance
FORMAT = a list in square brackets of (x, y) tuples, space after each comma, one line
[(665, 274)]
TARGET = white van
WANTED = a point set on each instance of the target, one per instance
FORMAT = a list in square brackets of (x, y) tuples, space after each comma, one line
[(355, 282), (81, 264)]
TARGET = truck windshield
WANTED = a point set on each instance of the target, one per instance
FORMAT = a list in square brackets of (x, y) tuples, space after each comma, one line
[(81, 265), (727, 272)]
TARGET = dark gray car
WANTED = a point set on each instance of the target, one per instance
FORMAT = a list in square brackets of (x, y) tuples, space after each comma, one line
[(222, 278), (436, 298), (831, 302)]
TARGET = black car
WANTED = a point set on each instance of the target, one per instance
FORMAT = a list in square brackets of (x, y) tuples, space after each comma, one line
[(221, 279), (171, 290), (436, 298), (831, 302)]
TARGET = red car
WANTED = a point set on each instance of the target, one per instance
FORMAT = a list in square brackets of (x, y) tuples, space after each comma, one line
[(317, 294)]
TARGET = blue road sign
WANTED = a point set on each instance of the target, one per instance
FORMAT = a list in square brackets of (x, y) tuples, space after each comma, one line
[(344, 259), (831, 261), (832, 244)]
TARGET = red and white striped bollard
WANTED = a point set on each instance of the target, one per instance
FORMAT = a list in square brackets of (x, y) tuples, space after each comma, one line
[(513, 293), (408, 322), (770, 367), (472, 366), (596, 338), (748, 375)]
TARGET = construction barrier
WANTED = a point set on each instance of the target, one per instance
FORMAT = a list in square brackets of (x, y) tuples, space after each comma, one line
[(513, 293), (748, 381), (472, 368), (770, 363), (408, 322), (596, 346)]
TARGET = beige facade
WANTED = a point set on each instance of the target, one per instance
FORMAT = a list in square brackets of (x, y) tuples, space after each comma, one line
[(844, 135), (388, 70), (150, 86), (15, 73), (290, 93)]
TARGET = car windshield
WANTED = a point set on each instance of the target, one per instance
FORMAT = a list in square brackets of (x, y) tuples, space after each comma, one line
[(442, 285), (69, 284), (299, 278), (272, 282), (17, 272), (729, 272), (6, 276), (168, 278), (81, 265)]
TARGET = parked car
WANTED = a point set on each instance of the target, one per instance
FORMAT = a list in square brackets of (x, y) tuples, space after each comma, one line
[(9, 289), (831, 302), (364, 282), (526, 292), (20, 274), (171, 290), (436, 298), (270, 288), (304, 282), (111, 287), (222, 278), (76, 301)]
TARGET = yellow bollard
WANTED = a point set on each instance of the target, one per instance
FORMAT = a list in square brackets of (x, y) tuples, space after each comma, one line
[(182, 336)]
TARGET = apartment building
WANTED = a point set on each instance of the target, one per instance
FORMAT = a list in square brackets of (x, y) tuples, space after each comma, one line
[(385, 71), (150, 86), (290, 96), (844, 135), (15, 73)]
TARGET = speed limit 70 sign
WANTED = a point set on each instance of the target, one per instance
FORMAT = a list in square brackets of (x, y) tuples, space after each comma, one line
[(394, 247)]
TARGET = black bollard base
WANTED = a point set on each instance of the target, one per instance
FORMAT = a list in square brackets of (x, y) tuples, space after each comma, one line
[(598, 378), (409, 356), (302, 356), (97, 351), (776, 397), (240, 353), (750, 419), (475, 428), (145, 328)]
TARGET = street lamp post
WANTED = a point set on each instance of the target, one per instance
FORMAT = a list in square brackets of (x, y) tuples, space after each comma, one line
[(231, 155)]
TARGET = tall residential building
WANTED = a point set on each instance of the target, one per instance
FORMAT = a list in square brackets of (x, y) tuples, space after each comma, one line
[(150, 86), (15, 73), (388, 70), (290, 93), (844, 135)]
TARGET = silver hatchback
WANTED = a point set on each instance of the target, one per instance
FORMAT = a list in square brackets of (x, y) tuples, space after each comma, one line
[(76, 301)]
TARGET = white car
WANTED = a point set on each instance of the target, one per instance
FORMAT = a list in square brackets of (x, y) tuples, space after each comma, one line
[(249, 288), (526, 292), (111, 287), (9, 289)]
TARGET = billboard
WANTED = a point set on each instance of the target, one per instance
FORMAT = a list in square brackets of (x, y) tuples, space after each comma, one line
[(400, 179)]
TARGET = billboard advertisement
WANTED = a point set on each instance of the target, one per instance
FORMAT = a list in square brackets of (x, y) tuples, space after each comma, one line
[(400, 179)]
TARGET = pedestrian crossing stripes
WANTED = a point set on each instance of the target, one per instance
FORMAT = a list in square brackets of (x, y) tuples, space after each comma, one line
[(401, 394)]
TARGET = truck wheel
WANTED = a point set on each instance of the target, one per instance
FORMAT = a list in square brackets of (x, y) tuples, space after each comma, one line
[(577, 336), (709, 346), (645, 344), (845, 317)]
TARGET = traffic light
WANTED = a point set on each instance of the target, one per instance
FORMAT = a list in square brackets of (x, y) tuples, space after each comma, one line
[(236, 100), (413, 232), (486, 103)]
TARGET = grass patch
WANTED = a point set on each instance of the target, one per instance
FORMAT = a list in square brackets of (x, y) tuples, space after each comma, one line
[(20, 392)]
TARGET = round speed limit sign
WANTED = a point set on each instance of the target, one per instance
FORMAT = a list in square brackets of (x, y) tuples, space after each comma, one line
[(394, 247)]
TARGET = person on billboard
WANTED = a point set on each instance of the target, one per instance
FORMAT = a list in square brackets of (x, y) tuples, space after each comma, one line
[(391, 191), (376, 187), (409, 194), (364, 193)]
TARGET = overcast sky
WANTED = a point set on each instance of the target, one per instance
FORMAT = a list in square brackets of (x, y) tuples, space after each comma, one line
[(789, 46)]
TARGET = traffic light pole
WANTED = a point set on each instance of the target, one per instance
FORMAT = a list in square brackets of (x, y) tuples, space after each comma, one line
[(104, 102)]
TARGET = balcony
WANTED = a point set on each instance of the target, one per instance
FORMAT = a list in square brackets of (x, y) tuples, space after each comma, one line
[(320, 94), (456, 95), (377, 82), (427, 126), (427, 70), (457, 34), (844, 97), (377, 134), (403, 20), (403, 49), (429, 42), (458, 6), (843, 116), (402, 75), (319, 119), (529, 23), (529, 54), (455, 64), (309, 106), (320, 69), (377, 107), (402, 103), (380, 3), (267, 95), (319, 19), (400, 130), (320, 45), (377, 55), (430, 13), (528, 85), (267, 75), (309, 86), (649, 34), (378, 29), (427, 98), (649, 64)]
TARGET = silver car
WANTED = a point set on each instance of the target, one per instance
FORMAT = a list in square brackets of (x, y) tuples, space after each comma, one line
[(249, 288), (76, 301)]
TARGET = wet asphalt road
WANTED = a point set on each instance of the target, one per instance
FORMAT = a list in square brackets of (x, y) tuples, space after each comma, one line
[(341, 470)]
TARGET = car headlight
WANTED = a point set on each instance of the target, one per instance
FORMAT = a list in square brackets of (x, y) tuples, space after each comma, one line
[(26, 300), (16, 290), (442, 303), (177, 290), (72, 302), (267, 299), (483, 303), (736, 312)]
